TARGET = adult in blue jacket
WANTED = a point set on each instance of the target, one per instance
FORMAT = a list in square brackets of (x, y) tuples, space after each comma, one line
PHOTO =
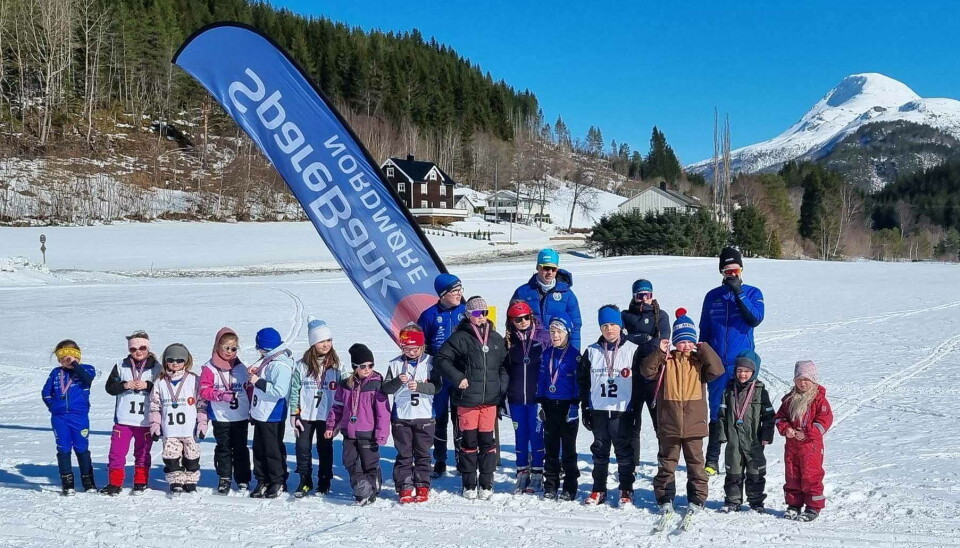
[(67, 396), (549, 294), (439, 322), (730, 312)]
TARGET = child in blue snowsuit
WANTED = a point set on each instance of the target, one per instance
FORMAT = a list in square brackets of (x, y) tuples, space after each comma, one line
[(559, 395), (523, 367), (67, 395)]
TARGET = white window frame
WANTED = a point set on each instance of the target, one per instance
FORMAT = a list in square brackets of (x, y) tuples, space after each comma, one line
[(433, 176), (423, 188), (389, 171), (401, 187), (443, 190), (424, 204)]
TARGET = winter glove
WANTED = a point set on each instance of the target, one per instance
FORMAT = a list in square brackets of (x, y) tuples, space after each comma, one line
[(587, 419), (572, 416), (199, 437), (503, 411), (226, 397), (380, 442), (540, 413), (296, 424), (734, 283), (155, 431)]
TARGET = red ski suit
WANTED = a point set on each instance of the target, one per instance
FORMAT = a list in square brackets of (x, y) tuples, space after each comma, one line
[(804, 459)]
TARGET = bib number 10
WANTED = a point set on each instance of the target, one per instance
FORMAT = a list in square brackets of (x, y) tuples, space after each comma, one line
[(176, 418)]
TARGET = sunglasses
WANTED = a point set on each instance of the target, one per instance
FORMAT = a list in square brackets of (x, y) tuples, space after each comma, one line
[(644, 295), (364, 365), (229, 348), (175, 360), (479, 313), (732, 271), (548, 268), (141, 349), (525, 318)]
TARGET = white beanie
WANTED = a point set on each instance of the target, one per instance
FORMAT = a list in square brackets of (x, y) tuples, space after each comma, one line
[(317, 330)]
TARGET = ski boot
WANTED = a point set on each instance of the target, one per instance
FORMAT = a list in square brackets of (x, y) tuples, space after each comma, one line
[(139, 489), (470, 494), (439, 469), (809, 515), (111, 490), (304, 488), (242, 486), (223, 488), (486, 493), (793, 512), (711, 469), (758, 508), (692, 510), (406, 496), (274, 490), (667, 512), (88, 483), (568, 495), (323, 486), (260, 491), (536, 481), (729, 507), (423, 494), (549, 494), (66, 485), (596, 498), (626, 499), (523, 480)]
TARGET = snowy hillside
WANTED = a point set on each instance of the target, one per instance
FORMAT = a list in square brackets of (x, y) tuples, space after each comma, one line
[(890, 365), (857, 100), (600, 203)]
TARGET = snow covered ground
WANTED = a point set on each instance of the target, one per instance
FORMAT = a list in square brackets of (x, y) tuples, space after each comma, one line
[(886, 337)]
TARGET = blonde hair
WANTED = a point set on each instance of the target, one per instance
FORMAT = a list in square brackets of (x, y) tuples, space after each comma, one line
[(800, 403)]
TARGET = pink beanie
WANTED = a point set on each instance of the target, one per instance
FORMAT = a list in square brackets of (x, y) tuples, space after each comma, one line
[(806, 369)]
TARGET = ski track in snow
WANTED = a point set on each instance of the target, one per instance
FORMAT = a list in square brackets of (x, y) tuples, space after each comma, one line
[(886, 370)]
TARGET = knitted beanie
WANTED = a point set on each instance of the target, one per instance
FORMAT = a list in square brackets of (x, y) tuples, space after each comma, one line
[(268, 338), (317, 330), (683, 328), (609, 313), (359, 353), (806, 369)]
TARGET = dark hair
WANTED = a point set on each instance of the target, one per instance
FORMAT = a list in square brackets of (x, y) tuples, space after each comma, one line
[(66, 343)]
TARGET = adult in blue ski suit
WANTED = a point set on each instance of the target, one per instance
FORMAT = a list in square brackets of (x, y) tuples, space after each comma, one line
[(439, 322), (730, 313), (549, 294)]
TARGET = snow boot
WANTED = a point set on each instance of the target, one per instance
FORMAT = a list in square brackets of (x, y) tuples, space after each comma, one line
[(304, 488), (758, 508), (729, 507), (323, 486), (243, 486), (111, 490), (139, 489), (406, 496), (486, 493), (223, 487), (470, 494), (189, 487), (439, 469), (549, 494), (626, 499), (596, 498), (423, 494), (274, 490), (536, 481), (176, 489), (523, 480), (793, 512), (568, 495), (66, 485), (809, 515), (88, 483), (260, 491)]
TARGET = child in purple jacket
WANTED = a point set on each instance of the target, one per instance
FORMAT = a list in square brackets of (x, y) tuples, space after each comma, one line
[(361, 411)]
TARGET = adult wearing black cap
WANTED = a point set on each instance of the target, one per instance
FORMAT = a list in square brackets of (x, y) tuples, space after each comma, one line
[(730, 313)]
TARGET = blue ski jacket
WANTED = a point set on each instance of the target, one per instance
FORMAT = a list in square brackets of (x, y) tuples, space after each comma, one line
[(522, 388), (76, 400), (558, 301), (566, 370), (726, 324), (439, 323)]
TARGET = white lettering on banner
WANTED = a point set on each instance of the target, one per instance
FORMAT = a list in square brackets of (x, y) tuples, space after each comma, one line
[(330, 207)]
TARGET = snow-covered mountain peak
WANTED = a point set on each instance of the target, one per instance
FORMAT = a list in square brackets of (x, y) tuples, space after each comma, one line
[(857, 100)]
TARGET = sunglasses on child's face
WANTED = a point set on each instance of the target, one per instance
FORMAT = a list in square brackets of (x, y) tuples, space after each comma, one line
[(175, 360), (478, 313), (141, 349), (520, 319), (364, 366), (229, 348)]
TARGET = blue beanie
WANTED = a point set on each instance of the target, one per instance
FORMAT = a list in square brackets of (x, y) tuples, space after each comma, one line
[(268, 339), (548, 257), (563, 322), (443, 283), (749, 359), (642, 285), (684, 329), (609, 313)]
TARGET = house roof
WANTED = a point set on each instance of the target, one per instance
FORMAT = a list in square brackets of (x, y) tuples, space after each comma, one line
[(680, 197), (417, 170)]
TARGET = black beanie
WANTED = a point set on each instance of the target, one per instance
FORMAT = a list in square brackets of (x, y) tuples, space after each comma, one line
[(359, 353), (730, 256)]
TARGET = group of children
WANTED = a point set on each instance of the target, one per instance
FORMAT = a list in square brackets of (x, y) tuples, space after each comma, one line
[(542, 382)]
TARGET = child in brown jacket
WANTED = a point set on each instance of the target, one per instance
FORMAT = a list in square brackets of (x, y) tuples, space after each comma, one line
[(682, 415)]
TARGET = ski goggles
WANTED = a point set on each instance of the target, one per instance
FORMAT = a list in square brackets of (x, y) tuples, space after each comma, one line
[(479, 313), (643, 295)]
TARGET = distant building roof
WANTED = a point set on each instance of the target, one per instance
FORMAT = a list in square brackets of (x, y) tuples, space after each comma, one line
[(417, 170)]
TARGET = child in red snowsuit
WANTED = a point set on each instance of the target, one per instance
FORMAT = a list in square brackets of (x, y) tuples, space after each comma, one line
[(804, 417)]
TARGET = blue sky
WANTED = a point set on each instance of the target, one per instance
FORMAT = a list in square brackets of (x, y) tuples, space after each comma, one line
[(626, 68)]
